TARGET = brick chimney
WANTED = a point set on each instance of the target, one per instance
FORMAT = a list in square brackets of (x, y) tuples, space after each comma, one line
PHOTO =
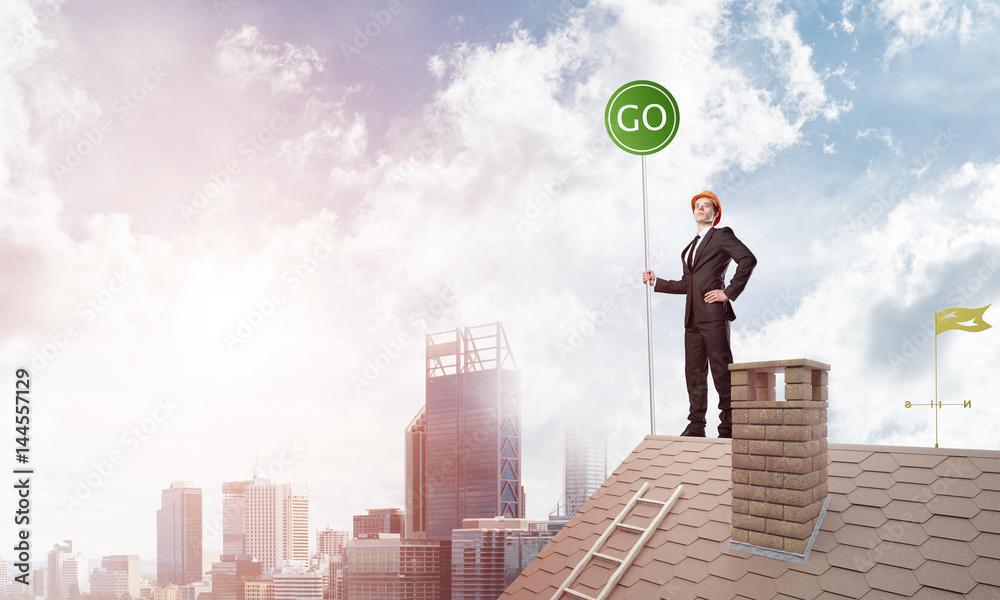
[(780, 457)]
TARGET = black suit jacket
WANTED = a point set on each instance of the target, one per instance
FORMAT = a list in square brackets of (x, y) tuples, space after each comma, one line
[(710, 262)]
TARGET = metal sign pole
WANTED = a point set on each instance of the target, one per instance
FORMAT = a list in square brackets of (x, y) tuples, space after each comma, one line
[(649, 306)]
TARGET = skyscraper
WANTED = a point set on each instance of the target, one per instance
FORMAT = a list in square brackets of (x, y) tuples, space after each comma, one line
[(391, 568), (233, 501), (118, 574), (276, 523), (230, 574), (379, 520), (586, 462), (487, 555), (66, 573), (473, 430), (178, 535), (416, 460)]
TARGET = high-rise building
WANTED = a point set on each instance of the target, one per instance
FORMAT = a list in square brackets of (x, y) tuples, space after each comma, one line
[(330, 542), (586, 462), (259, 590), (487, 555), (276, 524), (66, 573), (230, 574), (4, 576), (473, 430), (297, 583), (392, 568), (379, 520), (169, 592), (118, 574), (233, 501), (40, 583), (416, 460), (178, 535)]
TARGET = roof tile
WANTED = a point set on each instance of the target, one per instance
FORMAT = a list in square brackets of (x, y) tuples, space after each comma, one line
[(856, 535), (866, 516), (691, 569), (825, 540), (988, 499), (989, 481), (815, 565), (953, 486), (944, 576), (948, 551), (756, 586), (715, 531), (914, 475), (684, 534), (848, 456), (928, 593), (841, 485), (844, 582), (986, 544), (952, 528), (986, 464), (679, 589), (903, 532), (852, 558), (953, 506), (875, 479), (768, 567), (988, 521), (880, 595), (893, 579), (798, 585), (843, 469), (957, 466), (879, 461), (717, 588), (715, 487), (898, 555), (913, 512), (869, 497), (986, 570), (982, 592), (702, 549), (728, 567), (832, 521), (913, 492), (918, 459)]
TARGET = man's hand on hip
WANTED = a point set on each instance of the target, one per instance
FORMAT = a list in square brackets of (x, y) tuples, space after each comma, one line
[(716, 296)]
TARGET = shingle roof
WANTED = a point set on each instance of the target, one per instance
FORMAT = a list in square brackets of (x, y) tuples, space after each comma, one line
[(902, 523)]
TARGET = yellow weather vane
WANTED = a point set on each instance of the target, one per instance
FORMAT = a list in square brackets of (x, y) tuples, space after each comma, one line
[(944, 320)]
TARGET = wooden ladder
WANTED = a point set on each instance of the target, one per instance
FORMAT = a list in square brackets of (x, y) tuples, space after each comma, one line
[(623, 563)]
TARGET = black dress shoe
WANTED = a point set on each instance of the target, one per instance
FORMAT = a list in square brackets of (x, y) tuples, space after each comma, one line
[(725, 435), (693, 431)]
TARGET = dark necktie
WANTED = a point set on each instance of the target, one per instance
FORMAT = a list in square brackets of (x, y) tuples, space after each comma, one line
[(690, 253)]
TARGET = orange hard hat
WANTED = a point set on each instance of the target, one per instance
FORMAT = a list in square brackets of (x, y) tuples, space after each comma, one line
[(715, 201)]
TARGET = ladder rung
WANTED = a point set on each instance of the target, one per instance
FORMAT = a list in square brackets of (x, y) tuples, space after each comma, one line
[(607, 557), (577, 594), (651, 501), (632, 528)]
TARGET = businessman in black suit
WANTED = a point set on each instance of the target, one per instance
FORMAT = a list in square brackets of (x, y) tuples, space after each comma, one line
[(707, 310)]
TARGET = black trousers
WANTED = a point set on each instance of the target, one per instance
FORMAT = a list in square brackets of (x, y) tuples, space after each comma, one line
[(708, 344)]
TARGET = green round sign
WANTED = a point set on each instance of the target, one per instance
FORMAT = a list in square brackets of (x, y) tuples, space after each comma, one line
[(642, 117)]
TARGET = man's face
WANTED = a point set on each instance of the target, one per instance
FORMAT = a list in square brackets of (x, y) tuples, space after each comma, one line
[(704, 211)]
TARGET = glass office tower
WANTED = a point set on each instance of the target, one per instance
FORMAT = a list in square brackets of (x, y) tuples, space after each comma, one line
[(473, 429)]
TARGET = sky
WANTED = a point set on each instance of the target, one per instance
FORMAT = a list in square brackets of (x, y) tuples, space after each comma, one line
[(226, 227)]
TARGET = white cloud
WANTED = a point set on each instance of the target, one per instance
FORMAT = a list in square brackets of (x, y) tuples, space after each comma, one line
[(869, 318), (884, 134), (915, 22), (244, 56)]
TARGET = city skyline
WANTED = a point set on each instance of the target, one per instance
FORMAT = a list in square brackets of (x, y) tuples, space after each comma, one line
[(230, 225)]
